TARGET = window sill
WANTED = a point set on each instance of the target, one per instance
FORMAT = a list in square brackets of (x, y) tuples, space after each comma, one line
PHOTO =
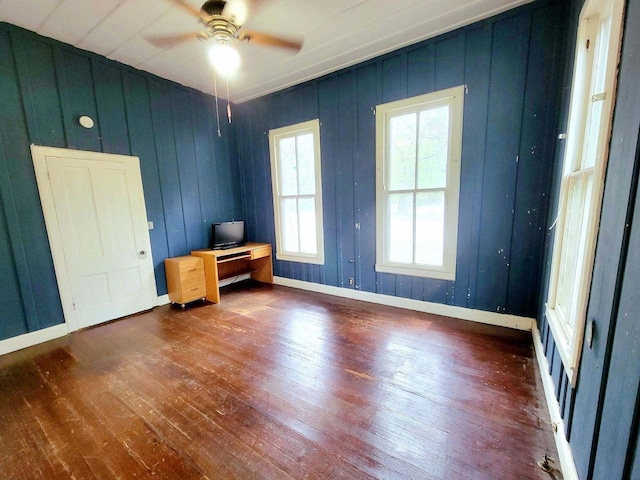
[(568, 354), (299, 258), (416, 272)]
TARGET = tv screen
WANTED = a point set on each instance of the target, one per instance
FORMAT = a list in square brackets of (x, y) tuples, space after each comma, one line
[(227, 235)]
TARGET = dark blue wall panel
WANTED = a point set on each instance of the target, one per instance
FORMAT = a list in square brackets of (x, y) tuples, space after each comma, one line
[(45, 86), (112, 115), (536, 160), (503, 61), (477, 75), (506, 90), (75, 86)]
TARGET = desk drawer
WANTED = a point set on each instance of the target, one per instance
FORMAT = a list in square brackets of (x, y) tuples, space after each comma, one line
[(261, 252)]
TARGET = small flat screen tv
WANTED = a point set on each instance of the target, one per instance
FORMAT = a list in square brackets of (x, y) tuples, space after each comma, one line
[(227, 235)]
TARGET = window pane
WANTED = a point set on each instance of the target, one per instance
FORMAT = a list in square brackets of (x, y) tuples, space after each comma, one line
[(306, 164), (402, 152), (400, 247), (289, 214), (307, 212), (573, 245), (430, 228), (288, 172), (434, 148)]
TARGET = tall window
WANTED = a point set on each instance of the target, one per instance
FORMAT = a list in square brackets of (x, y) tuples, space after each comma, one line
[(297, 192), (590, 113), (419, 142)]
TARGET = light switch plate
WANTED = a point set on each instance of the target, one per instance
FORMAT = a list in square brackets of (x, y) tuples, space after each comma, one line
[(150, 225)]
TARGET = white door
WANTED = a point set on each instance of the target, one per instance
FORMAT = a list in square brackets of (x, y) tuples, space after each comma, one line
[(97, 226)]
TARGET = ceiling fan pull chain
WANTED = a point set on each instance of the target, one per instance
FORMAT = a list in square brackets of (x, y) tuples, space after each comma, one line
[(215, 91), (228, 102)]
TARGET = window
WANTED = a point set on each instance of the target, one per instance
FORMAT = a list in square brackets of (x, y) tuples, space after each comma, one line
[(590, 113), (419, 141), (297, 192)]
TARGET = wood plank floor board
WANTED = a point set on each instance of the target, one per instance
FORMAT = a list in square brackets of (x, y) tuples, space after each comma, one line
[(276, 383)]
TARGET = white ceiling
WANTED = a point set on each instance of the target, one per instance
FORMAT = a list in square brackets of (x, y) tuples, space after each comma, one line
[(337, 34)]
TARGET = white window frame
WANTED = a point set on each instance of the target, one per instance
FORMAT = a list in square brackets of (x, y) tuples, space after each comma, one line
[(568, 327), (275, 135), (454, 98)]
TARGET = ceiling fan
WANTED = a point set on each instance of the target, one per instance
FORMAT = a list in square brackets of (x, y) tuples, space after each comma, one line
[(223, 21)]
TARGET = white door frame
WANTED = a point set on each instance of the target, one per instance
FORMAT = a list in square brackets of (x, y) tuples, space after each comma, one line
[(39, 155)]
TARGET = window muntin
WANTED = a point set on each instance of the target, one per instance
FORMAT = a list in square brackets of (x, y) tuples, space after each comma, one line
[(297, 192), (418, 174)]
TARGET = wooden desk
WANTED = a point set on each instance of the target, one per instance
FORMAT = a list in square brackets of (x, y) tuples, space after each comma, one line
[(253, 258)]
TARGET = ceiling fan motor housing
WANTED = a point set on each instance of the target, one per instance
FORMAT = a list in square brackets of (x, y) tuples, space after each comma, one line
[(213, 7), (220, 28)]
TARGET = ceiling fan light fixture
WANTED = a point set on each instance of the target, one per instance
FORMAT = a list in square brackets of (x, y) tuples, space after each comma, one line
[(225, 59)]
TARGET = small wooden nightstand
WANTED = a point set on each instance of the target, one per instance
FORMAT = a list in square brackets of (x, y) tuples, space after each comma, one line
[(185, 279)]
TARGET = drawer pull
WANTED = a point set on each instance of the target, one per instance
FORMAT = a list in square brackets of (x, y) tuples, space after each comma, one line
[(195, 289), (193, 270)]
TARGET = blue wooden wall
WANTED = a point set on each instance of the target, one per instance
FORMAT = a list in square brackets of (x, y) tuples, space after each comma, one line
[(190, 176), (601, 414), (510, 64)]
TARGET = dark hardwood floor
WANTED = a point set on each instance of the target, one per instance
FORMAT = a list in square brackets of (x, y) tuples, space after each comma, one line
[(276, 383)]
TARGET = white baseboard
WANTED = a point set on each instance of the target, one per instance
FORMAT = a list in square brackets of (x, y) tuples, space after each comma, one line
[(567, 463), (163, 300), (29, 339), (480, 316)]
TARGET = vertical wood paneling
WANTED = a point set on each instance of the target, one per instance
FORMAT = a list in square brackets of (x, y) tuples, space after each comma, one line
[(245, 153), (204, 162), (228, 155), (620, 406), (142, 141), (450, 61), (421, 70), (25, 222), (328, 112), (39, 88), (187, 168), (75, 85), (477, 74), (535, 164), (10, 300), (507, 88), (112, 117), (394, 78), (20, 301), (162, 121), (345, 208), (365, 178)]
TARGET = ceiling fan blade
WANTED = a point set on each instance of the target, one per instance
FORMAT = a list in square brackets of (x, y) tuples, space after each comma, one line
[(269, 40), (167, 41), (187, 7)]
